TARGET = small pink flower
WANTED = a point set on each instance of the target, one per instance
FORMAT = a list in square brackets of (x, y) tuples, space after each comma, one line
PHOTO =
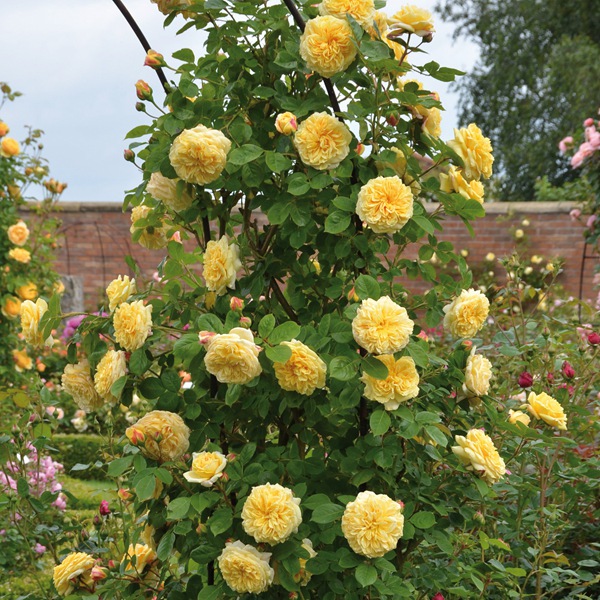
[(438, 596), (176, 237), (565, 144), (590, 222), (39, 549), (588, 122), (575, 214), (104, 509)]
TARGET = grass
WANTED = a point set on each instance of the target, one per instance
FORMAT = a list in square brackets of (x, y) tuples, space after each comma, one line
[(88, 493)]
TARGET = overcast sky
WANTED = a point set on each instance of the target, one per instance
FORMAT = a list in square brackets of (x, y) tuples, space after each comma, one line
[(76, 63)]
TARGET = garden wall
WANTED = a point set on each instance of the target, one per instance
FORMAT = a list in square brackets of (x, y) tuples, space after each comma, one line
[(96, 239)]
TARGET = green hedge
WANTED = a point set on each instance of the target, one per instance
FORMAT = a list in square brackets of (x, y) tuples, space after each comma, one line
[(79, 448)]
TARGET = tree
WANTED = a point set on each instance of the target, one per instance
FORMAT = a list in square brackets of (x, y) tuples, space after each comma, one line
[(539, 74)]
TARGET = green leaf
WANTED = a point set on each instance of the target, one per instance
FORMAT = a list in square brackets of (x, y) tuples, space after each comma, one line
[(138, 131), (367, 287), (345, 204), (119, 466), (184, 55), (423, 519), (366, 575), (145, 488), (165, 546), (178, 509), (343, 368), (380, 422), (266, 325), (298, 185), (22, 487), (374, 367), (209, 592), (337, 222), (284, 332), (210, 322), (152, 387), (138, 362), (244, 154), (277, 162), (171, 380), (117, 387), (327, 513), (221, 521), (424, 223), (278, 354)]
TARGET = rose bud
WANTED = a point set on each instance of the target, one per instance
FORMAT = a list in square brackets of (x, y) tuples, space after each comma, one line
[(104, 508), (236, 304), (98, 573), (205, 337), (124, 494), (360, 148), (154, 59), (550, 377), (143, 90), (438, 596), (567, 370), (128, 155), (525, 379), (286, 123), (245, 322), (593, 338)]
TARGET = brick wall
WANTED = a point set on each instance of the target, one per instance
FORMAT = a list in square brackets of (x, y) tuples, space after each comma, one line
[(96, 239)]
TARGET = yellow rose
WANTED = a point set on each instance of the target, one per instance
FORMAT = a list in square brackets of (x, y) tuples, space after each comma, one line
[(18, 233), (478, 373), (431, 119), (119, 290), (112, 367), (9, 147), (199, 155), (77, 382), (174, 193), (536, 260), (271, 514), (490, 257), (401, 384), (133, 324), (245, 569), (31, 315), (413, 19), (221, 264), (474, 150), (20, 255), (478, 453), (138, 557), (466, 315), (4, 129), (303, 576), (286, 123), (322, 141), (545, 407), (453, 181), (12, 307), (362, 11), (372, 524), (168, 6), (517, 416), (28, 291), (75, 568), (327, 45), (207, 467), (23, 361), (385, 204), (303, 372), (152, 237), (163, 435), (380, 19), (382, 326), (233, 357)]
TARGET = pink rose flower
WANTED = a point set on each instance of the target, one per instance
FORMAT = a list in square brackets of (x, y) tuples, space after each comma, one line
[(565, 144)]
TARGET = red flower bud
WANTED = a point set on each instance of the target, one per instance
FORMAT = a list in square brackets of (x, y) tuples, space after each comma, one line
[(143, 90), (593, 338), (438, 596), (525, 379), (104, 508), (567, 370), (154, 59)]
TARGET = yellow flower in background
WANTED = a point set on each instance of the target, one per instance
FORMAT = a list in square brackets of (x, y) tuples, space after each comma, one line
[(478, 374), (373, 524), (303, 372), (286, 123), (18, 233), (545, 407), (475, 150), (119, 290), (23, 362), (382, 326), (385, 204), (322, 141), (490, 257), (536, 259), (77, 382), (221, 264), (174, 193), (75, 568), (245, 569), (431, 119), (327, 45), (517, 416), (111, 367), (453, 181), (363, 11), (303, 576), (467, 313), (152, 237), (199, 155), (138, 557), (271, 514), (31, 315), (162, 435), (380, 20), (20, 255), (412, 19), (11, 307), (207, 468), (478, 453), (401, 384), (28, 291), (9, 147), (4, 129), (233, 357), (133, 324)]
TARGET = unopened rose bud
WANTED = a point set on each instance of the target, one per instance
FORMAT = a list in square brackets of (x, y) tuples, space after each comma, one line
[(438, 596), (588, 122), (201, 528), (236, 304), (143, 90), (393, 118), (104, 509), (111, 564), (525, 223), (401, 504), (96, 521), (593, 338), (205, 337), (525, 379), (245, 322), (140, 107), (4, 129), (478, 516), (128, 155), (231, 457), (353, 296), (519, 233), (360, 148), (135, 436), (426, 40), (124, 494), (286, 123), (98, 573), (567, 370), (293, 595), (154, 59)]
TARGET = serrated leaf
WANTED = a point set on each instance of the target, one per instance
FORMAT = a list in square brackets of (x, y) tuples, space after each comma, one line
[(266, 325), (343, 368), (138, 362), (165, 546), (220, 521), (178, 509), (423, 519), (380, 422), (373, 367), (277, 162), (278, 354), (284, 332), (327, 513), (119, 466), (366, 575), (367, 287), (244, 154), (145, 487), (337, 222)]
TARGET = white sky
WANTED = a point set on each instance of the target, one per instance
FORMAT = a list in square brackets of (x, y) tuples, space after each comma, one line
[(76, 63)]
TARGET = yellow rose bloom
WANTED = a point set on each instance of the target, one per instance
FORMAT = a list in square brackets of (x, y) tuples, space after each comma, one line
[(20, 255), (303, 372), (9, 147), (363, 11), (536, 259), (372, 524), (162, 435), (245, 569), (475, 151), (18, 233), (23, 362), (517, 416), (380, 19), (173, 193), (233, 357), (413, 19), (271, 514), (401, 384), (478, 374), (327, 45), (28, 291), (286, 123), (303, 576), (133, 324), (207, 467), (466, 314), (431, 119), (77, 382), (221, 264), (166, 7), (74, 569), (199, 155), (138, 557), (453, 181), (382, 326), (111, 367), (11, 308), (152, 237), (545, 407), (385, 204), (4, 129), (322, 141), (119, 290), (478, 453), (31, 315)]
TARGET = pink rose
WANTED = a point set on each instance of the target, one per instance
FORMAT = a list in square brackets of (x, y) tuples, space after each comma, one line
[(565, 144), (590, 222), (575, 214), (588, 122)]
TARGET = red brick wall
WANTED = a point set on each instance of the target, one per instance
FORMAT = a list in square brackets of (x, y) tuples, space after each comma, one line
[(96, 239)]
